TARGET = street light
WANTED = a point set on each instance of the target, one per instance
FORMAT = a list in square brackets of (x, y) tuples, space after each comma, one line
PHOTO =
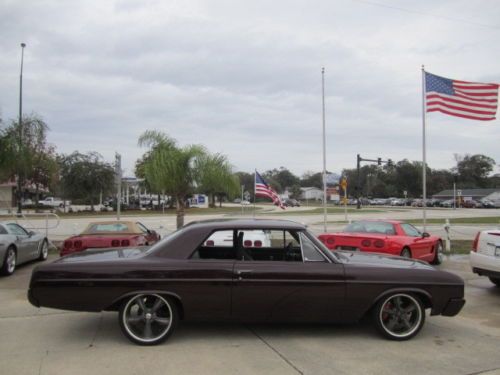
[(21, 135)]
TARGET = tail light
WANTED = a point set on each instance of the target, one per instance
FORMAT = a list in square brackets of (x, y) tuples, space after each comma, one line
[(209, 243), (476, 240), (366, 243), (247, 243), (68, 244), (78, 244), (379, 244), (257, 243), (125, 243), (115, 243)]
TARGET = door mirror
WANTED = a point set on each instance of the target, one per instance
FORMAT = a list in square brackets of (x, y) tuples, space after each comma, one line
[(425, 235)]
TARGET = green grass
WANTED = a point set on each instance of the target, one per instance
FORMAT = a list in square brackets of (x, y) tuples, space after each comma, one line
[(460, 220), (330, 210), (461, 246)]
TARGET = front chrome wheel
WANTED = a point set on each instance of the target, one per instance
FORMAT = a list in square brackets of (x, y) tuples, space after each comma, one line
[(399, 316), (439, 256), (148, 319)]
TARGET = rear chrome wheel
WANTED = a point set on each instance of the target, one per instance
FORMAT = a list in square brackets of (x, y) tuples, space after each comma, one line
[(44, 250), (148, 319), (9, 262), (399, 316), (438, 256)]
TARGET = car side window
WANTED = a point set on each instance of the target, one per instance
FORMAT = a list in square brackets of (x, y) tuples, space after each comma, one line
[(142, 227), (410, 230), (16, 229), (219, 245), (310, 252), (3, 230), (268, 245)]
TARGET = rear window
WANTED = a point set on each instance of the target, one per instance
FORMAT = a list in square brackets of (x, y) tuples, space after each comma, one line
[(380, 227), (99, 228)]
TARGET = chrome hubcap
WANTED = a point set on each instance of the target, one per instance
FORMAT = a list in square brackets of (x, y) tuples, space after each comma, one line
[(11, 261), (440, 252), (400, 315), (147, 318), (45, 250)]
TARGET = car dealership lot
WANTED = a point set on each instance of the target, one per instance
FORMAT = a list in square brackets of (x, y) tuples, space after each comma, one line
[(44, 341)]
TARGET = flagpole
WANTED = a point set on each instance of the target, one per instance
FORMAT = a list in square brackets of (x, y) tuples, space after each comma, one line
[(324, 149), (424, 161), (254, 193)]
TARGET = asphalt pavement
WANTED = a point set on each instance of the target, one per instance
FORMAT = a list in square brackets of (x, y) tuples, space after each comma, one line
[(45, 341)]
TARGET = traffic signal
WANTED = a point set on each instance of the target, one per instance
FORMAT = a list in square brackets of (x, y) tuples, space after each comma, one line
[(379, 161), (389, 163)]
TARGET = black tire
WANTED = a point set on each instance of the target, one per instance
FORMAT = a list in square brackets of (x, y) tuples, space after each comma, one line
[(141, 311), (495, 280), (44, 251), (406, 253), (438, 256), (399, 316), (9, 261)]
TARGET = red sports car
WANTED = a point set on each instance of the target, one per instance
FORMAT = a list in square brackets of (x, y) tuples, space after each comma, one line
[(388, 237), (104, 234)]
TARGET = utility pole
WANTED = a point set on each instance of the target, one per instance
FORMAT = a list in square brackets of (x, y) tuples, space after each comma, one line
[(118, 176), (359, 159), (20, 161)]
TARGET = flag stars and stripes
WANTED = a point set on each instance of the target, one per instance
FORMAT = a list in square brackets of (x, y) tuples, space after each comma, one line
[(472, 100), (262, 189)]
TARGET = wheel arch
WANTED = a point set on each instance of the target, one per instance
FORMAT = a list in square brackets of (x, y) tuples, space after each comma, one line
[(115, 305), (424, 296), (406, 246)]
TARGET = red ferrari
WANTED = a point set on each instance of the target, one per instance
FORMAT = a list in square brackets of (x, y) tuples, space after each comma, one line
[(104, 234), (388, 237)]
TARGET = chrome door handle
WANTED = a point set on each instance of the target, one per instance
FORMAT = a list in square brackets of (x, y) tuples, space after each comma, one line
[(240, 273)]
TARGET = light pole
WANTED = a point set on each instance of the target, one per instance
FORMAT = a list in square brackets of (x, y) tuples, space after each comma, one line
[(20, 169)]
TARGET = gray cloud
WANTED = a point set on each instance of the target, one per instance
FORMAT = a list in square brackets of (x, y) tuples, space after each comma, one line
[(243, 78)]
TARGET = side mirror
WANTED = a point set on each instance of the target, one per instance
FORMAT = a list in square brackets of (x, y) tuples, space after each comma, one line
[(425, 235)]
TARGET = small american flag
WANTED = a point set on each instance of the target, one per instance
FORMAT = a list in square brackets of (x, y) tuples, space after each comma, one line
[(472, 100), (262, 189)]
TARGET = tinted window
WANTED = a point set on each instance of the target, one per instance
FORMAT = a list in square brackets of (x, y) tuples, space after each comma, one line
[(311, 253), (16, 229), (410, 230), (3, 230), (380, 227)]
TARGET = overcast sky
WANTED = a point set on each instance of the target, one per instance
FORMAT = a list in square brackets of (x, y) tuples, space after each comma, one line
[(243, 78)]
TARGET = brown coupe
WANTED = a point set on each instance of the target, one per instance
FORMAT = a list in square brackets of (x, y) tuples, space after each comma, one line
[(287, 275)]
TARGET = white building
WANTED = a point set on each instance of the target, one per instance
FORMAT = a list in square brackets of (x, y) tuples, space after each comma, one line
[(311, 193)]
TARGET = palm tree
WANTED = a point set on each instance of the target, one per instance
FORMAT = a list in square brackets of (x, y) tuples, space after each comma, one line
[(216, 177), (170, 168)]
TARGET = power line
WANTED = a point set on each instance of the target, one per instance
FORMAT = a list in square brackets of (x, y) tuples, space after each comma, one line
[(451, 19)]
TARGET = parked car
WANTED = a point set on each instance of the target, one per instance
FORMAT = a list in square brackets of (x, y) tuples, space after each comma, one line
[(291, 202), (105, 234), (447, 203), (19, 245), (471, 203), (296, 279), (54, 202), (388, 237), (486, 203), (485, 255)]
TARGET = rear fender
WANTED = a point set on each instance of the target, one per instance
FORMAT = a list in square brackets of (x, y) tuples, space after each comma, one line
[(115, 305)]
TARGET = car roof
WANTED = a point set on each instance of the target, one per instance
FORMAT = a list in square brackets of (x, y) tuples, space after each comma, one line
[(246, 223)]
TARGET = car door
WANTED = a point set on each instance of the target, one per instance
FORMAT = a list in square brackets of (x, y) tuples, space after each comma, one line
[(25, 244), (420, 246), (301, 285)]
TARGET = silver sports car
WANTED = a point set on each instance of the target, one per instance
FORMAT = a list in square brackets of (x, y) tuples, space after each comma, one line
[(19, 245)]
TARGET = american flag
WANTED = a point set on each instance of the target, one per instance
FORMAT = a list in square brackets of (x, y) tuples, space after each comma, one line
[(472, 100), (262, 189)]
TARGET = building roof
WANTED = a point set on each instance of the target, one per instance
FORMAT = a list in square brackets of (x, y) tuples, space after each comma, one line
[(467, 192)]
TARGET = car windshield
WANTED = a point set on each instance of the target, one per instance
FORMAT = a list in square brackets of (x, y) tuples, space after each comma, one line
[(106, 228), (380, 227)]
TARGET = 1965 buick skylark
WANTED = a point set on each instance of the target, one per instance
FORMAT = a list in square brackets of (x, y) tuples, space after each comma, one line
[(290, 277)]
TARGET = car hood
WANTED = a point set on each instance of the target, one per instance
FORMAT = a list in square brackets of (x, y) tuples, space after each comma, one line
[(99, 255), (380, 260)]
